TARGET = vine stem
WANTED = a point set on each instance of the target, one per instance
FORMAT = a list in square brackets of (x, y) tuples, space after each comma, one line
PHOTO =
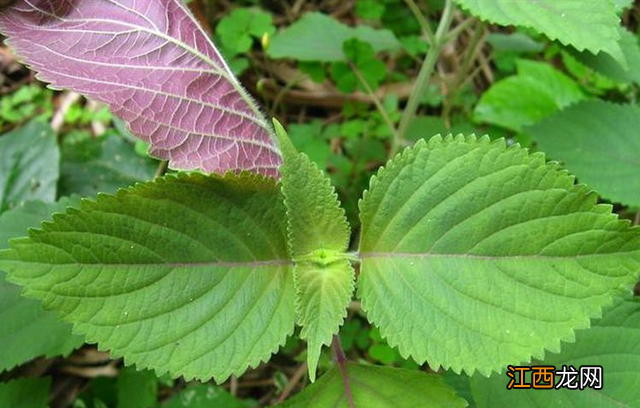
[(341, 360), (439, 40)]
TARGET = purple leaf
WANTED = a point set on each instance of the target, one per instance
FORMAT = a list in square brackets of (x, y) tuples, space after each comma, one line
[(157, 70)]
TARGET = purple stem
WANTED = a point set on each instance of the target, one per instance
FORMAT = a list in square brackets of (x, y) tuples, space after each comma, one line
[(341, 361)]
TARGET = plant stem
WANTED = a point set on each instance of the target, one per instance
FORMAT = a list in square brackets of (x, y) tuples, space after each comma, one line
[(338, 354), (471, 53), (161, 169), (233, 385), (457, 30), (424, 75), (424, 23), (636, 221), (375, 99), (67, 99), (293, 381)]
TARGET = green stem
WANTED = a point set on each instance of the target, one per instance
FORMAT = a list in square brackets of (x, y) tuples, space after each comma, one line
[(457, 30), (424, 23), (471, 53), (375, 99), (424, 75)]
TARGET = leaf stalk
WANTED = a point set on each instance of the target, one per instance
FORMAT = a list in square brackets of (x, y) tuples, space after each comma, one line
[(341, 360)]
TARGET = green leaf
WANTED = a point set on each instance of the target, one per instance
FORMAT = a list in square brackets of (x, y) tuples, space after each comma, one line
[(613, 343), (414, 45), (377, 387), (621, 5), (102, 165), (362, 55), (370, 9), (598, 141), (316, 222), (29, 165), (188, 274), (536, 92), (425, 126), (318, 236), (607, 65), (137, 389), (475, 255), (515, 42), (589, 79), (15, 222), (100, 392), (383, 353), (587, 24), (508, 48), (205, 396), (399, 18), (311, 138), (363, 58), (300, 41), (25, 393), (462, 384), (238, 29), (323, 293), (344, 77), (26, 331), (315, 70), (27, 101)]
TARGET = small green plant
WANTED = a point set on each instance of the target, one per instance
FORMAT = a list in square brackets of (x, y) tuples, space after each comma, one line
[(471, 254), (25, 103)]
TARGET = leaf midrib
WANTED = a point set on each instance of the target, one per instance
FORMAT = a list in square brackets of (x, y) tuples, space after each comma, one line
[(385, 254), (173, 265)]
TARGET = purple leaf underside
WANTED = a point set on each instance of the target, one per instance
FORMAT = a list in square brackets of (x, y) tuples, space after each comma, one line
[(156, 69)]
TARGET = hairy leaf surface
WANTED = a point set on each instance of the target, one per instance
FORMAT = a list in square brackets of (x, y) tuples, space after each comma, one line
[(29, 165), (475, 255), (316, 220), (586, 24), (188, 274), (323, 292), (26, 331), (613, 343), (600, 143), (318, 237), (25, 393), (156, 69), (378, 387)]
